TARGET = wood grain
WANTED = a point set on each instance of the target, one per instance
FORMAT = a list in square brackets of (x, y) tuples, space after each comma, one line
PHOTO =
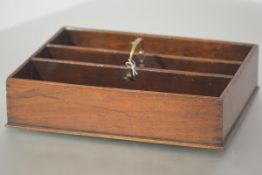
[(113, 111)]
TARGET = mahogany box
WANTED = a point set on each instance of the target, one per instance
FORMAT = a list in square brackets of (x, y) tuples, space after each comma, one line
[(188, 92)]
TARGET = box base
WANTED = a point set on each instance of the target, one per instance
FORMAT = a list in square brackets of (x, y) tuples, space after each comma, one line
[(117, 137)]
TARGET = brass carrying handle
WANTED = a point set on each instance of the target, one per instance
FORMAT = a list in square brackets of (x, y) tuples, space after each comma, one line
[(131, 64)]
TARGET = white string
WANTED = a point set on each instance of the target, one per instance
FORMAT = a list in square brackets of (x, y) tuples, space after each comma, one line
[(132, 65)]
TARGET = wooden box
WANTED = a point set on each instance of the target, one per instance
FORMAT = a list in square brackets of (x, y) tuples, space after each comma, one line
[(189, 92)]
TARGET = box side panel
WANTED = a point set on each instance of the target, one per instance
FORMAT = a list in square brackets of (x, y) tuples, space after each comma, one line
[(180, 118), (239, 91)]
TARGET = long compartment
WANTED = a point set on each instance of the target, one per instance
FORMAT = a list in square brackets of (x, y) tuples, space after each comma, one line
[(93, 55), (154, 44), (111, 77)]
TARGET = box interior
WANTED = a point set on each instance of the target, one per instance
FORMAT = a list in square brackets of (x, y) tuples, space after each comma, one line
[(195, 67)]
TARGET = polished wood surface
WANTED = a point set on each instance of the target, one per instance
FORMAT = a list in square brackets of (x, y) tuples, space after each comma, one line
[(190, 91), (129, 113)]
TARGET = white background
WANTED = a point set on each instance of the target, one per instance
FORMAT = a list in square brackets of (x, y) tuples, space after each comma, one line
[(13, 12), (24, 153)]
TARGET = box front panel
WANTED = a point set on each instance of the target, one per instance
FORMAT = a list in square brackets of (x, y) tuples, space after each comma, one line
[(180, 118)]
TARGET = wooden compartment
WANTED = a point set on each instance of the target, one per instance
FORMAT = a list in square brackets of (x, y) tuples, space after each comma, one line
[(190, 92), (165, 62)]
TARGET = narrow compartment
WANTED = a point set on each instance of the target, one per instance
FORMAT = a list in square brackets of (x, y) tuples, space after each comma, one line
[(151, 61), (113, 77), (154, 44)]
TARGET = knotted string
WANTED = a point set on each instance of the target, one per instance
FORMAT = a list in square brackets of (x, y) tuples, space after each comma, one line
[(131, 64)]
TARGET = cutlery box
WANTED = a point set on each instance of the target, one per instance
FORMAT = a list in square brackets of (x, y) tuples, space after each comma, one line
[(189, 92)]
